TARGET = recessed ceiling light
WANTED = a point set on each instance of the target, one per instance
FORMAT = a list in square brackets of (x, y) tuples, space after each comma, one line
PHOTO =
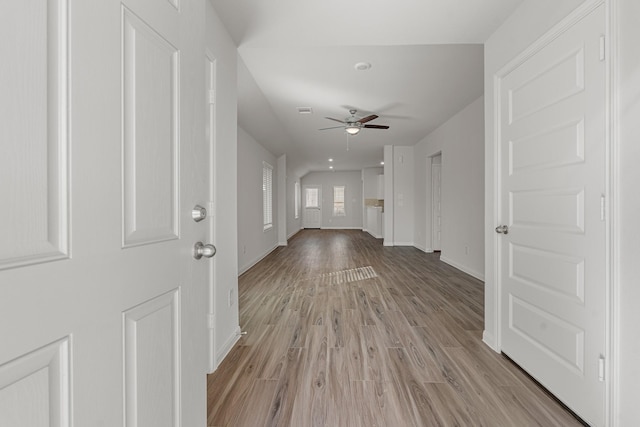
[(330, 167), (305, 110), (362, 66), (331, 160), (382, 163)]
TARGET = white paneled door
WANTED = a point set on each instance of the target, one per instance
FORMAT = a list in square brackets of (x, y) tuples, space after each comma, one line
[(552, 246), (103, 156), (312, 213)]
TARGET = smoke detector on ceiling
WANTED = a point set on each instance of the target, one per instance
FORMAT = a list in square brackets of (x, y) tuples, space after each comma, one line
[(362, 66)]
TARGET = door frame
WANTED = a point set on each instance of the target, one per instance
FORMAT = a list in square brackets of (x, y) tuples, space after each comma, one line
[(211, 89), (492, 336), (432, 222)]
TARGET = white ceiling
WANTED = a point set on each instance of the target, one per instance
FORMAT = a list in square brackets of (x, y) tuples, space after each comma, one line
[(427, 64)]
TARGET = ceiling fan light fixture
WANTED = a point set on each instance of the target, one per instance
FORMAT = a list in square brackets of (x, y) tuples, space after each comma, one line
[(352, 129)]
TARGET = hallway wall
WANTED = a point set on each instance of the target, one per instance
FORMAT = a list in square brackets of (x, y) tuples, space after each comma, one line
[(253, 241), (223, 50), (461, 142)]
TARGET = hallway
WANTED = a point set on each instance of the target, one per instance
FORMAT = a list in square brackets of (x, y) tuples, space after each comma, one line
[(342, 331)]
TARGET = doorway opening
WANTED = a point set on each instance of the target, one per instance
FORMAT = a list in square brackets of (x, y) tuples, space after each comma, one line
[(436, 201)]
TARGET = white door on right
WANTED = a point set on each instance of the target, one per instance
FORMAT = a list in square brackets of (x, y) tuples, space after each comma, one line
[(552, 185), (312, 214)]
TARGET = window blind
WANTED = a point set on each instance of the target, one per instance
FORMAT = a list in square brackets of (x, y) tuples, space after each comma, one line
[(267, 195)]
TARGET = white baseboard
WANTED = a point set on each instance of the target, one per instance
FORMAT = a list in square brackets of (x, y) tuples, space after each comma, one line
[(387, 243), (228, 345), (377, 236), (404, 244), (461, 267), (340, 228), (256, 260), (490, 340), (285, 243), (294, 233), (424, 249)]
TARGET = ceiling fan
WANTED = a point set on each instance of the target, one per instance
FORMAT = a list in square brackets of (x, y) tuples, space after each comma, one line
[(353, 126)]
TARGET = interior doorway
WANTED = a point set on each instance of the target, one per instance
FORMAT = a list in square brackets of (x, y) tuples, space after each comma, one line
[(436, 202)]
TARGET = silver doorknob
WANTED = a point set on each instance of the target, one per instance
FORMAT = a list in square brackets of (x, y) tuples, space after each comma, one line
[(201, 250), (198, 213), (502, 229)]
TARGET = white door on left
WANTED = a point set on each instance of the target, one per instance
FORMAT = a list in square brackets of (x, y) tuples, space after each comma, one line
[(102, 157)]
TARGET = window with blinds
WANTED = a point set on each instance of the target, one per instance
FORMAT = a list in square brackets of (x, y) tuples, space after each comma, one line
[(267, 195), (296, 200), (338, 201)]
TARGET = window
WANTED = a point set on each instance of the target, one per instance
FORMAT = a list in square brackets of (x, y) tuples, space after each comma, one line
[(338, 200), (311, 198), (267, 195), (296, 200)]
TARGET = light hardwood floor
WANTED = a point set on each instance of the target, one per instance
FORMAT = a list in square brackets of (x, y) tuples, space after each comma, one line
[(331, 342)]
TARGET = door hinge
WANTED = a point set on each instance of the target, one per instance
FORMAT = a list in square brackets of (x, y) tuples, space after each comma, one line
[(601, 369), (603, 48), (212, 97), (603, 207), (211, 321)]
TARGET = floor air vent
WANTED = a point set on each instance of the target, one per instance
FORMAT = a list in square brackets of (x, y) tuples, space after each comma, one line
[(348, 276)]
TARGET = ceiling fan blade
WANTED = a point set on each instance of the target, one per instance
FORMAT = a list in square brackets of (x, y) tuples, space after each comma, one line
[(376, 126), (368, 118), (335, 120), (334, 127)]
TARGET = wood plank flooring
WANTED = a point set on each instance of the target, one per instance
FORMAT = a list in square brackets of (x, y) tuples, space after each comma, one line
[(332, 343)]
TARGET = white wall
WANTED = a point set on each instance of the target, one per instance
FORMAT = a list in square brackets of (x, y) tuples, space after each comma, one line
[(389, 207), (627, 235), (222, 48), (403, 195), (254, 243), (370, 182), (352, 180), (461, 142)]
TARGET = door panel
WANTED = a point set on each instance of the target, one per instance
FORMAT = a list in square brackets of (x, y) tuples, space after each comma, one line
[(34, 220), (121, 303), (150, 141), (552, 177), (151, 358), (34, 388)]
